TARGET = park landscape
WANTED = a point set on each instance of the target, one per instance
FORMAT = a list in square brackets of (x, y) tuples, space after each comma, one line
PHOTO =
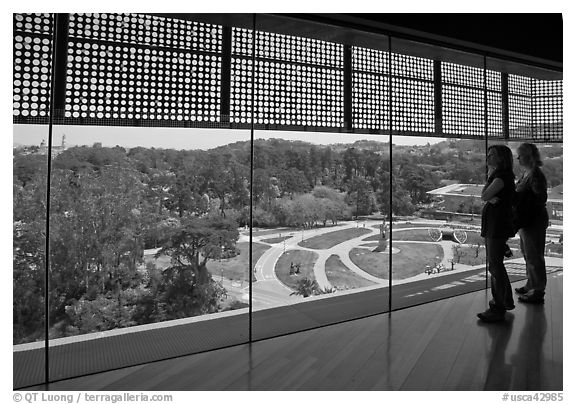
[(144, 235)]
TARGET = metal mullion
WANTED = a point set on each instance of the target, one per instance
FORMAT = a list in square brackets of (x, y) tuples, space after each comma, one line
[(438, 106), (505, 106), (347, 91), (290, 62), (32, 34), (59, 60), (252, 118), (390, 179), (143, 46), (225, 75), (486, 142), (465, 87)]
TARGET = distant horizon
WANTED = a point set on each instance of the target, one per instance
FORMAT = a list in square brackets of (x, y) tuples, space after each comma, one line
[(188, 138)]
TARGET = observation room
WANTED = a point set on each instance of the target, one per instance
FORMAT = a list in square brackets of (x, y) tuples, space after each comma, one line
[(281, 201)]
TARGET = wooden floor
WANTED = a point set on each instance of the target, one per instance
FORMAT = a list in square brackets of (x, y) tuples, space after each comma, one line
[(435, 346)]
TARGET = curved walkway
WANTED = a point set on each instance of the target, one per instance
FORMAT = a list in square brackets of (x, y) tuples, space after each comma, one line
[(272, 288)]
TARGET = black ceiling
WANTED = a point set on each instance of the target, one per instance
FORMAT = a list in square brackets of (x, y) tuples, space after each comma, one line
[(516, 43), (534, 35)]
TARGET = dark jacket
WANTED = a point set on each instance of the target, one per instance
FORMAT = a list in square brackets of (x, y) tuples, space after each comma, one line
[(497, 218), (530, 200)]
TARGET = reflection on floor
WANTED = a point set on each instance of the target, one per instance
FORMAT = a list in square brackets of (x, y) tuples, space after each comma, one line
[(434, 346)]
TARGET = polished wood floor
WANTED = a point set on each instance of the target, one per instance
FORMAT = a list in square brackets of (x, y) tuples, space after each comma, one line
[(435, 346)]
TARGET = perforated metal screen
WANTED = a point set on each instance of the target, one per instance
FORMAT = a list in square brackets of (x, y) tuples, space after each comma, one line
[(126, 67), (32, 67), (298, 81), (143, 70), (536, 109), (547, 109), (370, 89), (412, 94)]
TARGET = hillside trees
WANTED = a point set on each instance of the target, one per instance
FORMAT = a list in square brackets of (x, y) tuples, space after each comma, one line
[(109, 205)]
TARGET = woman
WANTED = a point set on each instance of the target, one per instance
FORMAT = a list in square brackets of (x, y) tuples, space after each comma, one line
[(531, 219), (497, 227)]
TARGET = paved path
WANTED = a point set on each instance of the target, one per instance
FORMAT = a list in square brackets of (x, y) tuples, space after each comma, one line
[(269, 290)]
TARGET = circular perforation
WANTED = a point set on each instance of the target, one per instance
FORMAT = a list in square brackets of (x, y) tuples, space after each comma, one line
[(495, 127), (493, 80), (519, 116), (412, 67), (462, 75), (241, 91), (370, 101), (241, 42), (547, 108), (38, 23), (519, 85), (462, 111), (32, 65), (300, 50), (370, 60), (412, 105), (146, 30), (287, 94), (543, 88), (107, 81)]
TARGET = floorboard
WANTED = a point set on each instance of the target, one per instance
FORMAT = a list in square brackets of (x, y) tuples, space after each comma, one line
[(435, 346)]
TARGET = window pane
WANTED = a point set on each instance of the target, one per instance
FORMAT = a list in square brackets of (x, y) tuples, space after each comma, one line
[(437, 250), (147, 257), (31, 105)]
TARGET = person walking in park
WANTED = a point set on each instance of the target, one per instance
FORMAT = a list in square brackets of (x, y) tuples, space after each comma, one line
[(497, 227), (531, 219)]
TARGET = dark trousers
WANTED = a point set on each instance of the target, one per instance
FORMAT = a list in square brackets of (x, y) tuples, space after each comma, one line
[(499, 281), (532, 243)]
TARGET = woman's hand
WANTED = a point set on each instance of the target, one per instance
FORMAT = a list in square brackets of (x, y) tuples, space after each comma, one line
[(494, 200), (491, 171)]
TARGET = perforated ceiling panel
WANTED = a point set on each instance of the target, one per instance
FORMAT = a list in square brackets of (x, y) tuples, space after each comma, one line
[(32, 67), (520, 115), (370, 93), (547, 110), (126, 68), (462, 100), (144, 70), (298, 81), (464, 106), (412, 94)]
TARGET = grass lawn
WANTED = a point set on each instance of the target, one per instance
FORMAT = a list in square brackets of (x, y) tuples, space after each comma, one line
[(404, 235), (329, 240), (411, 260), (370, 245), (469, 256), (263, 232), (341, 277), (275, 240), (474, 238), (306, 259), (236, 268)]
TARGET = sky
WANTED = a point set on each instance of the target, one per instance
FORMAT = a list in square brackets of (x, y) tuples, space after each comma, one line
[(179, 138)]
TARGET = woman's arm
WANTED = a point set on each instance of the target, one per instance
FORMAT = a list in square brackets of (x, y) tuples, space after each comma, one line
[(491, 190), (539, 187)]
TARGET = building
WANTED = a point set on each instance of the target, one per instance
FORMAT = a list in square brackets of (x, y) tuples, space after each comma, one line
[(465, 198), (459, 198)]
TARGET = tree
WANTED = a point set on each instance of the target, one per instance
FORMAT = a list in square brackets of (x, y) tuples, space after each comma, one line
[(306, 287), (361, 197), (187, 287), (28, 263)]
